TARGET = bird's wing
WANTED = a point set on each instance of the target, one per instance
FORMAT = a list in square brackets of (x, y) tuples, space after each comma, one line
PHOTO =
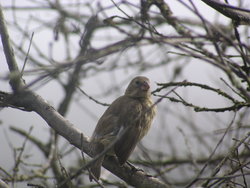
[(123, 112), (108, 125), (130, 119)]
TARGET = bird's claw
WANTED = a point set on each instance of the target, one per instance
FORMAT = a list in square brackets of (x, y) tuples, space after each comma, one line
[(133, 168)]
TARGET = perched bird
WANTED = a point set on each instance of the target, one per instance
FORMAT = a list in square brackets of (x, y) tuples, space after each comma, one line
[(132, 113)]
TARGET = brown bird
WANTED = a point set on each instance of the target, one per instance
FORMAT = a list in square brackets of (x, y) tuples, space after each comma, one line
[(125, 122)]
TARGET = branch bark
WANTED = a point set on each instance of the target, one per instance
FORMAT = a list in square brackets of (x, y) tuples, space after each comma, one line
[(238, 15), (3, 184)]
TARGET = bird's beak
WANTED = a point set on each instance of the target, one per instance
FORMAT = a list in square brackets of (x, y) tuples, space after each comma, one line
[(145, 86)]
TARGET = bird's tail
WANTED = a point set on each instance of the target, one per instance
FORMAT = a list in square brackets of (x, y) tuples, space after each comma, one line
[(95, 168)]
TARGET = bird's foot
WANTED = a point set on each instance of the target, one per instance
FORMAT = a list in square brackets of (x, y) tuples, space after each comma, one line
[(133, 168)]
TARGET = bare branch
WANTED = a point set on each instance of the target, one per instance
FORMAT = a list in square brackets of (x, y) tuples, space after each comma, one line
[(238, 15), (15, 80)]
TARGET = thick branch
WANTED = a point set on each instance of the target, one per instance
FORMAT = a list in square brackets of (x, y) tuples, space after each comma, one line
[(239, 15), (3, 184), (15, 80), (74, 136)]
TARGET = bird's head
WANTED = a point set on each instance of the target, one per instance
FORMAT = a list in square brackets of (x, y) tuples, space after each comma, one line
[(139, 87)]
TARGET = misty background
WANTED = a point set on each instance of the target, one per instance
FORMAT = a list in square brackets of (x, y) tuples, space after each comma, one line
[(178, 132)]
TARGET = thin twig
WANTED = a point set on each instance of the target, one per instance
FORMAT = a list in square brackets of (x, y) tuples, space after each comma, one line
[(230, 153), (18, 159), (27, 55), (212, 154), (91, 98), (236, 106)]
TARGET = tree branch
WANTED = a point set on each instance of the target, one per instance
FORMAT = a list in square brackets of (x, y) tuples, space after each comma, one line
[(238, 15), (15, 77), (33, 102)]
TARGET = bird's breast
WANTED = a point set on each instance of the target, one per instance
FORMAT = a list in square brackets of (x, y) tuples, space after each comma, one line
[(147, 117)]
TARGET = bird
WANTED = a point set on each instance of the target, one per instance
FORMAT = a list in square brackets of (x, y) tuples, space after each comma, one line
[(125, 122)]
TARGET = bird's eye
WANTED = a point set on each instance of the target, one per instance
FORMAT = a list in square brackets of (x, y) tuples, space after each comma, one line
[(137, 82)]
